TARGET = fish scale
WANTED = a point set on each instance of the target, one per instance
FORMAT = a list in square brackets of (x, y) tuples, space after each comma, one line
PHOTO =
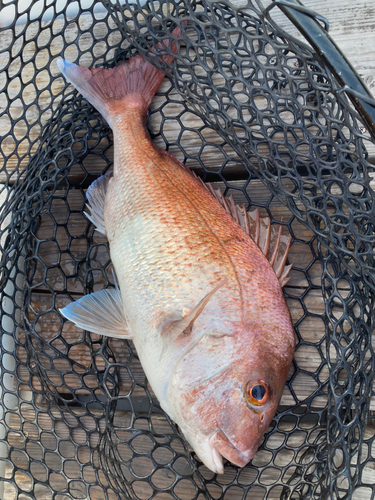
[(157, 248), (152, 204), (197, 296)]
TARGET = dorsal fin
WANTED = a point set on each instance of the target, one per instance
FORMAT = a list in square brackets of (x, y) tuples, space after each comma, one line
[(268, 237)]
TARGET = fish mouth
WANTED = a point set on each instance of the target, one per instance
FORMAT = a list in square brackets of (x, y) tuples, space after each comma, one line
[(223, 445)]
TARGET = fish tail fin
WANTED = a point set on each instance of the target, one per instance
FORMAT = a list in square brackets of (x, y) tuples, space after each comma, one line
[(107, 89)]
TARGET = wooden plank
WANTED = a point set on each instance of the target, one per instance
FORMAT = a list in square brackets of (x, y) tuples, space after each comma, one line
[(64, 377), (142, 445), (348, 21), (344, 19), (300, 253), (73, 256), (311, 329), (352, 27)]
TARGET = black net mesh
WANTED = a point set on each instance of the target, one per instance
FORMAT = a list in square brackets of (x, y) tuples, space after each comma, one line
[(254, 112)]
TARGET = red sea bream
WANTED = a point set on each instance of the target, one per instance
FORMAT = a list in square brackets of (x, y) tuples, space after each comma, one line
[(201, 302)]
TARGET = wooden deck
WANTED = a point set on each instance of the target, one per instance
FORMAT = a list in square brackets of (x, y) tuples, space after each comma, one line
[(353, 29)]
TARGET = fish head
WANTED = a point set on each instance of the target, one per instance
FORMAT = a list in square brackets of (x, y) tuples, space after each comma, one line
[(227, 392), (248, 409)]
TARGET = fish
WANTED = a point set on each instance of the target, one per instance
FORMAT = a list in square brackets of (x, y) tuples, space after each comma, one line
[(195, 293)]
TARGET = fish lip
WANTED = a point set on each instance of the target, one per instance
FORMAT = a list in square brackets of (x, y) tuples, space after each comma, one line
[(222, 444), (217, 461)]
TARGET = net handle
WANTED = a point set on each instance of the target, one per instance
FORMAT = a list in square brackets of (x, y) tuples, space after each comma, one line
[(307, 22)]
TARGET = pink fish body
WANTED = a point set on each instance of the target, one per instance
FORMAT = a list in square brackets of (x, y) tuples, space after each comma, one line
[(196, 295)]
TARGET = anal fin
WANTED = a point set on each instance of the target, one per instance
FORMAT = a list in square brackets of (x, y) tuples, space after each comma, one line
[(100, 312)]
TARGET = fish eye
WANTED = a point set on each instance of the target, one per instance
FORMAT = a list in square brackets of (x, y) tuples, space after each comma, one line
[(257, 393)]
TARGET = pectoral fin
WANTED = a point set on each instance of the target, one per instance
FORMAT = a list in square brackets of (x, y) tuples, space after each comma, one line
[(100, 312), (182, 328)]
